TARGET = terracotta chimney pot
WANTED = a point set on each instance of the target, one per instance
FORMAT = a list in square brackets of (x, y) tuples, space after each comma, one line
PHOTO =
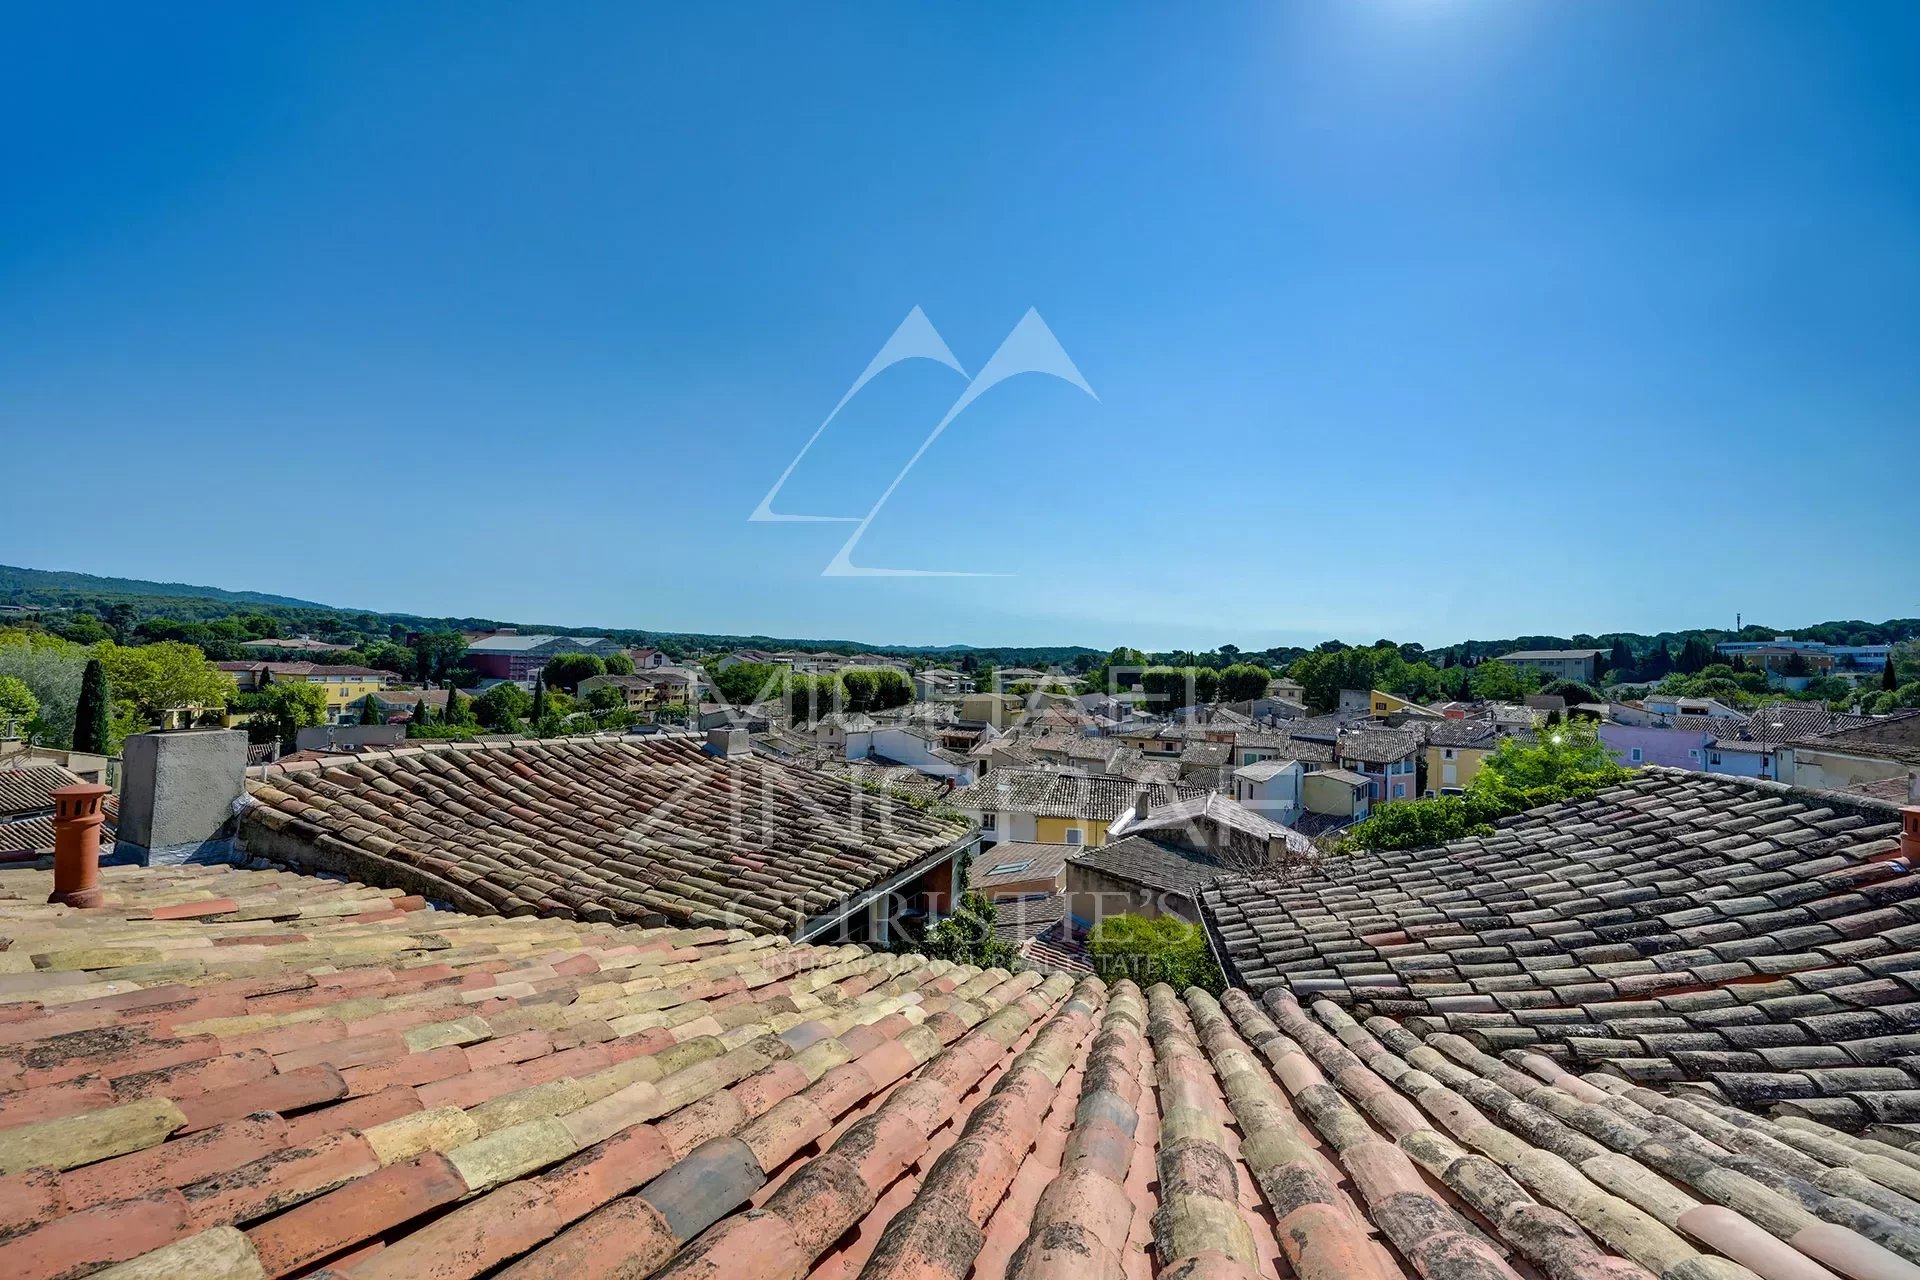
[(78, 812)]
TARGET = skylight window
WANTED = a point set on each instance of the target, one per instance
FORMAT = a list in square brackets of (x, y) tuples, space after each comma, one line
[(1008, 868)]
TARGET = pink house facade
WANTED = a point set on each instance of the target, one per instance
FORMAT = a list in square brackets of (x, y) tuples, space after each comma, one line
[(1635, 745)]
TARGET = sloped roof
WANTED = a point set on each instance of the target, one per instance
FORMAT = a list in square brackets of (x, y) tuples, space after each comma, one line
[(30, 789), (1153, 864), (643, 829), (1377, 744), (1066, 795), (1895, 737), (1751, 938), (1043, 861), (1262, 770), (525, 643), (330, 1081), (1463, 733)]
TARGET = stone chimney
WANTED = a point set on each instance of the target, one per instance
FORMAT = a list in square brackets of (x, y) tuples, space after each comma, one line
[(78, 811), (1910, 834), (1276, 850), (1141, 804), (728, 743), (176, 796)]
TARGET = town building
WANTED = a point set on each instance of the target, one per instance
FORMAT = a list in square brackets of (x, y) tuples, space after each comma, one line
[(1029, 806), (1271, 788), (1455, 750), (346, 686), (1559, 664), (1387, 758), (1874, 751), (509, 655), (1777, 654)]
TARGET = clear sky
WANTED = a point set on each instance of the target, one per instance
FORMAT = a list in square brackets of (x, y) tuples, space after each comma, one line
[(1417, 318)]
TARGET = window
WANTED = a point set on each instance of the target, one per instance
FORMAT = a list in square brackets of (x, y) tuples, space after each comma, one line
[(1716, 758), (1076, 836), (1693, 753), (1447, 754), (988, 821), (1636, 755), (1008, 868)]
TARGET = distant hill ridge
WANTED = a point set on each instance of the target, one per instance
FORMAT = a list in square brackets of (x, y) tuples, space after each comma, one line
[(187, 602)]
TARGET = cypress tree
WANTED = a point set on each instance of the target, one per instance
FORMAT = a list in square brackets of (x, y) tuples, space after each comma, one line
[(540, 701), (422, 711), (1888, 680), (456, 707), (92, 718), (370, 711)]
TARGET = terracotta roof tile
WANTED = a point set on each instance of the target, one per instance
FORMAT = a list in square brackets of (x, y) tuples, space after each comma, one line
[(637, 830), (537, 1097)]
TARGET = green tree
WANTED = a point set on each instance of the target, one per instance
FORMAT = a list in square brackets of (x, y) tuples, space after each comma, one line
[(1495, 681), (436, 653), (93, 716), (1568, 761), (1695, 654), (422, 713), (459, 711), (502, 707), (967, 937), (541, 707), (1572, 690), (891, 688), (606, 698), (278, 712), (745, 683), (370, 712), (811, 697), (18, 706), (567, 670), (1888, 679), (1164, 949), (85, 628), (121, 619), (619, 664), (164, 678), (1419, 824), (861, 686), (1620, 661), (51, 668), (1243, 682)]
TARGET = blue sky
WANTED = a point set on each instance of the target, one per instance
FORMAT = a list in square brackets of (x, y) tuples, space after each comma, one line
[(1417, 318)]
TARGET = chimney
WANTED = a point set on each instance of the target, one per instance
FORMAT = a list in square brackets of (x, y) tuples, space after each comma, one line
[(176, 796), (78, 811), (728, 743), (1276, 850), (1913, 787), (1910, 835), (1141, 803)]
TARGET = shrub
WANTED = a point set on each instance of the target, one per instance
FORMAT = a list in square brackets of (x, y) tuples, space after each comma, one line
[(1166, 949)]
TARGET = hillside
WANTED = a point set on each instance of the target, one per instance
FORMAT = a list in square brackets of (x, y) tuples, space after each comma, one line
[(55, 587), (187, 602), (46, 588)]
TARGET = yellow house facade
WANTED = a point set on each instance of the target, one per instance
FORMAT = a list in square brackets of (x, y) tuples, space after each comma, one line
[(1055, 830), (1455, 751), (345, 686)]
